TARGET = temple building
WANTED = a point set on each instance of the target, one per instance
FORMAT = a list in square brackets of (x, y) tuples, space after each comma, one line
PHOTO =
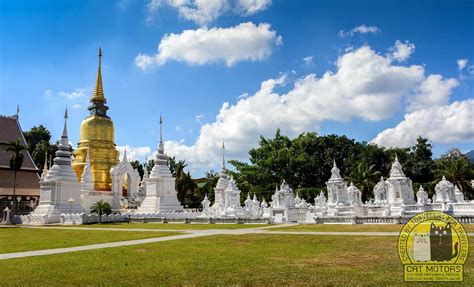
[(27, 178), (97, 138)]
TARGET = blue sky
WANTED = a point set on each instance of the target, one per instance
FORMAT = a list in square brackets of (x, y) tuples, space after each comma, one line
[(404, 68)]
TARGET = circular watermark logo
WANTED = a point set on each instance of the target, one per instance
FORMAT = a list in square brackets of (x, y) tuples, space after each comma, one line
[(433, 246)]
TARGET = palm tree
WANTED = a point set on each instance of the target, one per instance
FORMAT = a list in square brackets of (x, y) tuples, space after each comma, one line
[(364, 177), (16, 161), (456, 170), (101, 207)]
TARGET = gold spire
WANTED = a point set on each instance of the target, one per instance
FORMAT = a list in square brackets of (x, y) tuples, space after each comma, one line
[(98, 95)]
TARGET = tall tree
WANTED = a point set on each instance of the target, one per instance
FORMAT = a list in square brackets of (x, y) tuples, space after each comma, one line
[(37, 139), (16, 161), (420, 165)]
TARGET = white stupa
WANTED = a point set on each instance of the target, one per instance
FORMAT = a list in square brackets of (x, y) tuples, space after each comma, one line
[(161, 195), (60, 190), (337, 188)]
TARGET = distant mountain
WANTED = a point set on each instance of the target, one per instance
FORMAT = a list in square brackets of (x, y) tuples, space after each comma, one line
[(470, 156)]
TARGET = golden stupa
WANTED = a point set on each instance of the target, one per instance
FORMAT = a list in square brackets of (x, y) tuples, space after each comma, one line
[(97, 135)]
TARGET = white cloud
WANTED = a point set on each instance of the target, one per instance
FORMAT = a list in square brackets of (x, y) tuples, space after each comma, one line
[(431, 92), (244, 42), (462, 63), (250, 7), (365, 85), (203, 12), (77, 106), (136, 153), (199, 118), (444, 124), (402, 51), (308, 61), (362, 29), (76, 94)]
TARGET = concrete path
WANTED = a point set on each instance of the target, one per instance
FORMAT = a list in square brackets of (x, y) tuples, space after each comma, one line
[(187, 234)]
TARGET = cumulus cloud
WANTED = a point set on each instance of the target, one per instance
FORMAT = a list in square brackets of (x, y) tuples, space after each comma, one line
[(365, 85), (402, 51), (244, 42), (136, 153), (434, 90), (203, 12), (250, 7), (362, 29), (462, 63), (444, 124)]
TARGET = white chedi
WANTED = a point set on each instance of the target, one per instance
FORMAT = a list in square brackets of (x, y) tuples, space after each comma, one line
[(458, 194), (354, 195), (337, 188), (161, 195), (283, 197), (320, 200), (380, 191), (399, 187), (422, 196), (444, 191)]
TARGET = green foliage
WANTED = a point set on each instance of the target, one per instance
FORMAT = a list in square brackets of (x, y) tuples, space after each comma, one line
[(139, 167), (101, 207), (458, 170), (365, 177), (16, 149), (38, 139)]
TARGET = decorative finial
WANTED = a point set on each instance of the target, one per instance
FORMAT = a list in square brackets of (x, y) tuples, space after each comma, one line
[(64, 139), (396, 157), (125, 154), (98, 95), (17, 111), (100, 55), (334, 163), (223, 155), (161, 130)]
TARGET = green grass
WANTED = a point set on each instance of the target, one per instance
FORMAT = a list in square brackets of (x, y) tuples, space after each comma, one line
[(27, 239), (349, 227), (172, 226), (255, 259)]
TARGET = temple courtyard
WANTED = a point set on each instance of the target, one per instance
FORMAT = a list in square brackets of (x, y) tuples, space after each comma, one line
[(154, 254)]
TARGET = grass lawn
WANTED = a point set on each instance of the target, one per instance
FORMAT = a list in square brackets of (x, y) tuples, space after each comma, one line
[(171, 226), (348, 227), (26, 239), (255, 259)]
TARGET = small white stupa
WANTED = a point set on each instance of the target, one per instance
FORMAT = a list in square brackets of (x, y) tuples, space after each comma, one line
[(399, 187), (60, 191), (337, 188), (222, 183), (161, 195)]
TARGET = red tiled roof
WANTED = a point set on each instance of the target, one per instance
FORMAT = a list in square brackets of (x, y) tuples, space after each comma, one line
[(10, 130)]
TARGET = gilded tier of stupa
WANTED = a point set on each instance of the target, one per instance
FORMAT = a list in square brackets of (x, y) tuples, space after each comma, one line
[(97, 135)]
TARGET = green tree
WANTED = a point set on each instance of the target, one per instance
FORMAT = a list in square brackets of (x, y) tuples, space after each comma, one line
[(139, 167), (16, 149), (457, 170), (101, 207), (37, 139), (420, 166), (365, 177)]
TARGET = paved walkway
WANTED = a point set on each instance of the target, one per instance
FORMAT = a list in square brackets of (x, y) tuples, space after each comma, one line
[(187, 234)]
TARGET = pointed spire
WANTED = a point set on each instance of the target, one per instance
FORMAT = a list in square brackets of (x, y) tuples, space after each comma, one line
[(396, 157), (161, 148), (98, 95), (45, 167), (125, 155), (64, 137), (223, 155), (334, 163), (17, 112)]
